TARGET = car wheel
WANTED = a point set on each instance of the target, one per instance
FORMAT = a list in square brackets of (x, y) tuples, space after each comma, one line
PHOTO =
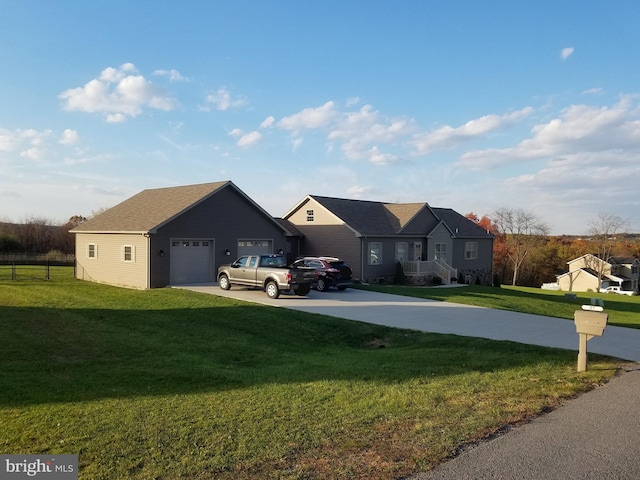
[(272, 290), (321, 286), (223, 281), (302, 290)]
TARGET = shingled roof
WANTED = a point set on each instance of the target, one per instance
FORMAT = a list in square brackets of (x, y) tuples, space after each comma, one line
[(370, 218), (150, 209)]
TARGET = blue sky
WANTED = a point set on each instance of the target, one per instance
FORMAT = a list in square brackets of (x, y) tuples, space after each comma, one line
[(465, 104)]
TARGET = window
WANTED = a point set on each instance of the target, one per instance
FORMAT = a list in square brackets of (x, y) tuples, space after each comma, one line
[(196, 244), (128, 253), (401, 251), (471, 250), (309, 215), (375, 253), (441, 252), (634, 269), (92, 250)]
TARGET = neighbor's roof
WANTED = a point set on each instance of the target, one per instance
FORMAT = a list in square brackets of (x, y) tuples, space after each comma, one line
[(150, 209)]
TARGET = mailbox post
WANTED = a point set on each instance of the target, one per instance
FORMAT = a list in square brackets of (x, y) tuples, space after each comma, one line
[(590, 322)]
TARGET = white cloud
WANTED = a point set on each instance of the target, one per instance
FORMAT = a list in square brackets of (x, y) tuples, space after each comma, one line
[(362, 133), (309, 118), (236, 132), (360, 191), (69, 137), (579, 129), (268, 122), (566, 53), (173, 75), (448, 137), (593, 91), (118, 93), (249, 139), (222, 100)]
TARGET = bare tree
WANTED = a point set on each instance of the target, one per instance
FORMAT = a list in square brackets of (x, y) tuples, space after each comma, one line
[(522, 232), (603, 230)]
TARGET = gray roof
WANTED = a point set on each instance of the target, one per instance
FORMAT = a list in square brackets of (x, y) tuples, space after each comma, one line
[(370, 218), (460, 225), (150, 209)]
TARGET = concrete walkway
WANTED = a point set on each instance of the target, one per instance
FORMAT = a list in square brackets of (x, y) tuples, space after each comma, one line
[(444, 317)]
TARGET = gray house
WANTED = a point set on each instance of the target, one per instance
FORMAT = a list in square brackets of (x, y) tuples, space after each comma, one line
[(374, 236), (176, 235)]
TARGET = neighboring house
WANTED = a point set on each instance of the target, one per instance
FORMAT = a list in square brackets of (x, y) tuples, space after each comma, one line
[(583, 274), (372, 237), (176, 235)]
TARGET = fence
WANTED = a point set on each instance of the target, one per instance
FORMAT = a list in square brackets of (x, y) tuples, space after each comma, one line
[(17, 266)]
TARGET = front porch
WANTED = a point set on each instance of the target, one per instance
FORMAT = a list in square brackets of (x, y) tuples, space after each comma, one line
[(432, 268)]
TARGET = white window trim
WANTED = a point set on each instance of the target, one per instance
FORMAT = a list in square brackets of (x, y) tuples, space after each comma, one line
[(95, 251), (133, 253)]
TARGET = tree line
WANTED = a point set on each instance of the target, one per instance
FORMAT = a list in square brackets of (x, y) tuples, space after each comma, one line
[(36, 235), (525, 254)]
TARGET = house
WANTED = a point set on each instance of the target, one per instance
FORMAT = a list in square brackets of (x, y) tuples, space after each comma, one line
[(373, 237), (584, 276), (176, 235)]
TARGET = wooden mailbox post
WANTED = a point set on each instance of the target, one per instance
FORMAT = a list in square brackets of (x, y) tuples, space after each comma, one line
[(590, 322)]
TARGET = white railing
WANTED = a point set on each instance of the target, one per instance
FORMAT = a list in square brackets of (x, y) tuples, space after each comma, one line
[(430, 267)]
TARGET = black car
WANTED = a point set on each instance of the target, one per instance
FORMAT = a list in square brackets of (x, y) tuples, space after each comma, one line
[(332, 272)]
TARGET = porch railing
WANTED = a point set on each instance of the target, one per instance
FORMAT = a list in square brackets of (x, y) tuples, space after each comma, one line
[(430, 267)]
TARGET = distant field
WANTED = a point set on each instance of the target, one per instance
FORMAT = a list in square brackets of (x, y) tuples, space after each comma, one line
[(623, 311), (174, 384)]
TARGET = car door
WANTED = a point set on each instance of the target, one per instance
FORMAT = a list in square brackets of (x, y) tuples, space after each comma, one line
[(240, 272)]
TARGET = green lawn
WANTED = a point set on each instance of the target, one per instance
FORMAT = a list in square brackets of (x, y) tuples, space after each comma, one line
[(623, 311), (171, 384)]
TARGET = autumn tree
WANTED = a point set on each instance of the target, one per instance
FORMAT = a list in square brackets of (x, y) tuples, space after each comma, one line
[(521, 232)]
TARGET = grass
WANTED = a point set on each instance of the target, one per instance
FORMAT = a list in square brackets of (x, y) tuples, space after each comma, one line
[(624, 311), (171, 384)]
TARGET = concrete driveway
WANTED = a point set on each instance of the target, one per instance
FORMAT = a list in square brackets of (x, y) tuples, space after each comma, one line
[(442, 317)]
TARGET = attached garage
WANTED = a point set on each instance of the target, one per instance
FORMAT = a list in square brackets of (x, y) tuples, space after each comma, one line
[(192, 261)]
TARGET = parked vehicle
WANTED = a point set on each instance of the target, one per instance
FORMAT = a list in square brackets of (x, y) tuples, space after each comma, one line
[(331, 272), (269, 272), (616, 289)]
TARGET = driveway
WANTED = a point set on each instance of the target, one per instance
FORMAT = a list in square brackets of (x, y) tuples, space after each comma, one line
[(443, 317)]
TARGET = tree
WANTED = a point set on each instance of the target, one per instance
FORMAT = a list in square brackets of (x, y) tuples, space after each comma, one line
[(521, 232), (603, 230)]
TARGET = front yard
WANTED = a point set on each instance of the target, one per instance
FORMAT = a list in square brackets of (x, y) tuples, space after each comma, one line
[(171, 384)]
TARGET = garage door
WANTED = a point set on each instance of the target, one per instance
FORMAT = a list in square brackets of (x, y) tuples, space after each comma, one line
[(254, 247), (191, 261)]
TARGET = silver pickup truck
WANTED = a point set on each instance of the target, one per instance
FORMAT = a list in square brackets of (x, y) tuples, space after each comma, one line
[(269, 272)]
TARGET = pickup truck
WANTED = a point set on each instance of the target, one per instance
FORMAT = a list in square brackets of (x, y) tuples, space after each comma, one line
[(269, 272), (616, 289)]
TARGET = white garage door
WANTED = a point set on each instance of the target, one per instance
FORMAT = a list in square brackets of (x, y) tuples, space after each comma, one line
[(254, 247), (191, 261)]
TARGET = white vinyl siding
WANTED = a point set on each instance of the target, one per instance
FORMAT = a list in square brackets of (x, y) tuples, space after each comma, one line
[(108, 265)]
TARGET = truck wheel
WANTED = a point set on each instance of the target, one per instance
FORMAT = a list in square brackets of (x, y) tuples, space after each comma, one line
[(223, 281), (321, 286), (272, 290), (302, 290)]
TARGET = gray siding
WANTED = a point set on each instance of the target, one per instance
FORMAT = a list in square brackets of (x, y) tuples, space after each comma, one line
[(224, 218), (333, 241)]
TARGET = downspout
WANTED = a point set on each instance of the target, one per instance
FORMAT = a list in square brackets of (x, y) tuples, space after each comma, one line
[(148, 237), (363, 258)]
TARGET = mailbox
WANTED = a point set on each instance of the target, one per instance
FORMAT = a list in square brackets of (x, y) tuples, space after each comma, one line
[(590, 322)]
